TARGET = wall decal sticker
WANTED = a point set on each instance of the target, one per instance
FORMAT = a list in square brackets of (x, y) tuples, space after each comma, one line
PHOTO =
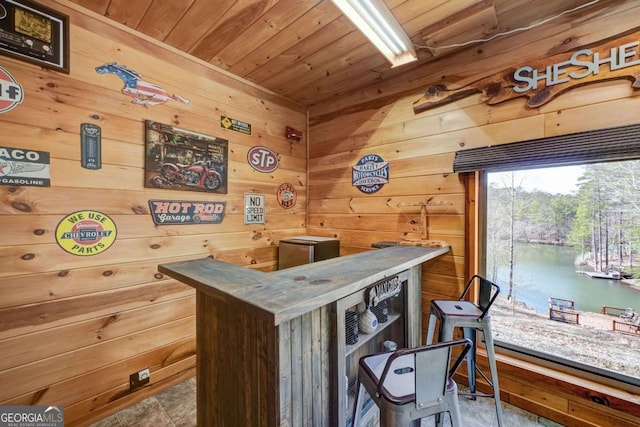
[(170, 212), (86, 233), (24, 167), (287, 195), (262, 159), (11, 93), (370, 174), (179, 159), (142, 92)]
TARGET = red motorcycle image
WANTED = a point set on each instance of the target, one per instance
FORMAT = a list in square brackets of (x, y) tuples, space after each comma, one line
[(198, 174)]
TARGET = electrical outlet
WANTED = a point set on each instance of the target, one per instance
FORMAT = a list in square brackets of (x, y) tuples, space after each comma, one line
[(140, 378)]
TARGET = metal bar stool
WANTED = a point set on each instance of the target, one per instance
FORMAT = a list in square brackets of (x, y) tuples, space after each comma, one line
[(410, 384), (470, 317)]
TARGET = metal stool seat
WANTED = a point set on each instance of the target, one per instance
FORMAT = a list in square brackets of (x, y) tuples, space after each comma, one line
[(471, 318), (410, 384)]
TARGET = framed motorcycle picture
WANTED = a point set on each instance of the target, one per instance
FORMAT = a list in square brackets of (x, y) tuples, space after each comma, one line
[(180, 159)]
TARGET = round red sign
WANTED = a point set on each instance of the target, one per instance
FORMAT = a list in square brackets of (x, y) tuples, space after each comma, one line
[(11, 94), (287, 195), (262, 159)]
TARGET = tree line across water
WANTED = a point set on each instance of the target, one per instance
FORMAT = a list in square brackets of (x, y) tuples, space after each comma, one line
[(601, 220)]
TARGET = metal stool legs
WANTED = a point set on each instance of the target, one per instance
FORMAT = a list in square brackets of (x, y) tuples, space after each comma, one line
[(471, 359), (493, 368), (358, 404), (446, 334)]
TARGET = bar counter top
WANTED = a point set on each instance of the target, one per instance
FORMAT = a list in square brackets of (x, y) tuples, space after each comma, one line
[(285, 294)]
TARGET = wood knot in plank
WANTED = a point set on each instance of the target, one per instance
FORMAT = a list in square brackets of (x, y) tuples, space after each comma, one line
[(138, 210), (109, 320), (21, 206)]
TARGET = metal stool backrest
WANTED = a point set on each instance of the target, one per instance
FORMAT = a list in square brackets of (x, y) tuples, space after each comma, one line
[(432, 372), (487, 294)]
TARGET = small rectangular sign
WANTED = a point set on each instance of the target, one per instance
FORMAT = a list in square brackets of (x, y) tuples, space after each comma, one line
[(235, 125), (172, 212), (24, 167), (254, 208)]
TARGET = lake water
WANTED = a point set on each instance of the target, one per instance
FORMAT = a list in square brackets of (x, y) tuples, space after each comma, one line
[(544, 271)]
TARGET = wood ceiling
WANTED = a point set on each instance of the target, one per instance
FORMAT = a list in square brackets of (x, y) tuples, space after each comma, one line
[(306, 50)]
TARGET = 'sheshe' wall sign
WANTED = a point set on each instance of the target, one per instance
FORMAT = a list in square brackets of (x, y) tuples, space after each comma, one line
[(542, 80)]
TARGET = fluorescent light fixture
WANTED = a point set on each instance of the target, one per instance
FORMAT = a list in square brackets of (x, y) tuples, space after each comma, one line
[(375, 21)]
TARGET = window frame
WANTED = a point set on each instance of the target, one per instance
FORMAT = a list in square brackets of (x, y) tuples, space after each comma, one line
[(477, 249)]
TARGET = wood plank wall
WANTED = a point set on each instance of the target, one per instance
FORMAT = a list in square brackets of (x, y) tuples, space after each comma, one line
[(421, 148), (73, 328)]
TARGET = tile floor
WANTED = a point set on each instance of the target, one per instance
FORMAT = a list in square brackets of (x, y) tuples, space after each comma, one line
[(176, 407)]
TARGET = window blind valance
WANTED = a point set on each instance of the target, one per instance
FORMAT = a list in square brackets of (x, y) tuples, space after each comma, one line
[(618, 143)]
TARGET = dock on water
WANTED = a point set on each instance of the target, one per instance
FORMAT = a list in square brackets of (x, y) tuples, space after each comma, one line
[(612, 275)]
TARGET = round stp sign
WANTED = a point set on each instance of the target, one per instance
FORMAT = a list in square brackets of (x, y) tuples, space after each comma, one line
[(262, 159), (11, 94), (86, 233)]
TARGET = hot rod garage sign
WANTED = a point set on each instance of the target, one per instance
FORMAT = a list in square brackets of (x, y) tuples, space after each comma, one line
[(544, 79), (166, 212)]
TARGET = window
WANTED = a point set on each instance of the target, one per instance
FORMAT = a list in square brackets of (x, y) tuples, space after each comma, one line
[(562, 245)]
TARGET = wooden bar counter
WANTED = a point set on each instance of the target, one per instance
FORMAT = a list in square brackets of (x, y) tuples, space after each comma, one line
[(270, 346)]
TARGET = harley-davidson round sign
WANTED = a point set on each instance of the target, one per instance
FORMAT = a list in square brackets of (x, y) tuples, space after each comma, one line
[(86, 233), (370, 174)]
